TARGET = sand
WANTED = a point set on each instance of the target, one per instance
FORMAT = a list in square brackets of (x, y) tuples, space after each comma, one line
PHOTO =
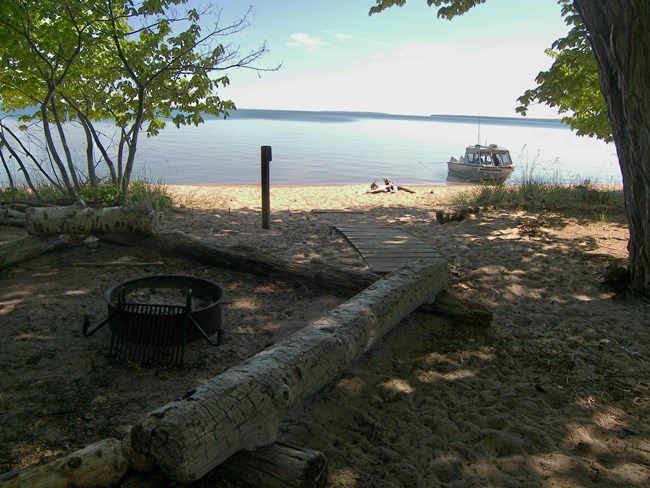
[(554, 392)]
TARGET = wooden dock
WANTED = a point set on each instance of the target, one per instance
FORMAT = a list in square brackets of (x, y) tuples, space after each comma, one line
[(386, 249)]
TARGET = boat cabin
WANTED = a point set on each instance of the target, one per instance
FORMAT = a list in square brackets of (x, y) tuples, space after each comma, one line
[(491, 155)]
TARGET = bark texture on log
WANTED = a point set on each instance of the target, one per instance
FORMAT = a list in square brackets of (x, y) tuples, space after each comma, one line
[(19, 250), (249, 260), (243, 407), (99, 465), (277, 466), (78, 218)]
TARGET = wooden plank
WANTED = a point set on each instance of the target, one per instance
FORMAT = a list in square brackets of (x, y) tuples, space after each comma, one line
[(386, 249)]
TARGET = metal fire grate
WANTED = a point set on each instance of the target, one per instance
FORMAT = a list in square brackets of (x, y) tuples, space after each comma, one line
[(156, 333)]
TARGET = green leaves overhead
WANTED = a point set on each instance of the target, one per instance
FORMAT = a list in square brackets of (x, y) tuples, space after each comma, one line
[(572, 84), (136, 63), (448, 8)]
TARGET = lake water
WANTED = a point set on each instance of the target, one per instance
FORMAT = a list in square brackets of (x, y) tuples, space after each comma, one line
[(328, 148)]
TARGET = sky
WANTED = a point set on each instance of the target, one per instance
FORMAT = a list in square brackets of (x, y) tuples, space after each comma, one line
[(334, 56)]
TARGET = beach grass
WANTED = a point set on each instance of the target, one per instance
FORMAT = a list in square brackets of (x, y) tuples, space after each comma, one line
[(600, 202), (103, 194)]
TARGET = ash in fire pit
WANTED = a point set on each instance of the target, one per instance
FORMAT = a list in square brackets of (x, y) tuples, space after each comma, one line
[(167, 296), (152, 318)]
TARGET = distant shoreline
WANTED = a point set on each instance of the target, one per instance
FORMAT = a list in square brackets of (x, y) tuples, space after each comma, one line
[(350, 116)]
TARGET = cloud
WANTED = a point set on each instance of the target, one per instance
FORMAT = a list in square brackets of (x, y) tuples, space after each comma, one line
[(305, 40), (344, 37)]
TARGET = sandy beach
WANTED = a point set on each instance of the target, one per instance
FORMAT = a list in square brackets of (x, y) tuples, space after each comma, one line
[(555, 391)]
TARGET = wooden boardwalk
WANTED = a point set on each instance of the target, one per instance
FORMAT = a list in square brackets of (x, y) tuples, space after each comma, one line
[(386, 249)]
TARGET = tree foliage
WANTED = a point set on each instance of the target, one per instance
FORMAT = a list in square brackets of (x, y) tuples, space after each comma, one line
[(448, 9), (136, 64), (571, 84)]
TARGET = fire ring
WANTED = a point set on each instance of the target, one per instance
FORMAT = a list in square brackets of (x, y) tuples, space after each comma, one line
[(152, 318)]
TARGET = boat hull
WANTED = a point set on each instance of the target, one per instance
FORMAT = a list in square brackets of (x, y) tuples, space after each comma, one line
[(473, 172)]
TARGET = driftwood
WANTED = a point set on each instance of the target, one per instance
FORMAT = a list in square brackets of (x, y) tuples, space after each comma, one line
[(316, 272), (15, 222), (78, 218), (243, 407), (13, 217), (249, 260), (460, 309), (19, 250), (277, 466), (105, 463), (455, 214), (389, 187), (99, 465)]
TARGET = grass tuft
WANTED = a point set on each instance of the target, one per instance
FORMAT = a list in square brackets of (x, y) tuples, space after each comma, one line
[(599, 202), (104, 194)]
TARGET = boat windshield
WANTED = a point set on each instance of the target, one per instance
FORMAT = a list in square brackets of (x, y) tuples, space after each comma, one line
[(496, 158), (502, 158), (488, 157)]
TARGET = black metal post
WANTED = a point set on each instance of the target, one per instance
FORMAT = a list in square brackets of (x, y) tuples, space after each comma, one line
[(266, 188)]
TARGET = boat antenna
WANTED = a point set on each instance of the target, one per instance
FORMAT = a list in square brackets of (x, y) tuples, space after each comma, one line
[(479, 128)]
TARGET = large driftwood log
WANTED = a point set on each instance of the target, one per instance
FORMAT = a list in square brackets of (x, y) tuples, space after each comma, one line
[(19, 250), (249, 260), (78, 218), (99, 465), (243, 407)]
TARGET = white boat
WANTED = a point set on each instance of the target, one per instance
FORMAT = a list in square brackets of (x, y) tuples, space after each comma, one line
[(482, 163)]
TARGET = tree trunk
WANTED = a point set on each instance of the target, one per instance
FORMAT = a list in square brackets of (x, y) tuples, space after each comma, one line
[(243, 407), (78, 218), (618, 31)]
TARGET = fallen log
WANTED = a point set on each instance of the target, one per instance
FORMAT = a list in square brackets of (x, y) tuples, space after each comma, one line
[(11, 213), (277, 466), (241, 409), (316, 272), (99, 465), (15, 222), (455, 214), (9, 216), (79, 218), (248, 260), (460, 309), (19, 250)]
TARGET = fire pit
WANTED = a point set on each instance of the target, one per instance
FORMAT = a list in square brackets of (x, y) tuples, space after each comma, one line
[(152, 318)]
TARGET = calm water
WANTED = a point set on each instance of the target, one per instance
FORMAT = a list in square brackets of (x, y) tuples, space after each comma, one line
[(323, 148)]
